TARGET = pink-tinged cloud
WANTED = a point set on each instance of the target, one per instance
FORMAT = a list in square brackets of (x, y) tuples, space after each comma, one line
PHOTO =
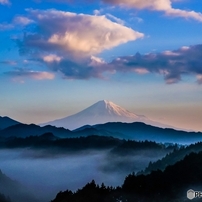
[(21, 74), (51, 58), (157, 5), (141, 71), (154, 5), (199, 78), (170, 64), (74, 34)]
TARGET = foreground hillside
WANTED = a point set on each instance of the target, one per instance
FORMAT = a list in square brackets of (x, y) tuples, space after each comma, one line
[(158, 186), (11, 190), (172, 157)]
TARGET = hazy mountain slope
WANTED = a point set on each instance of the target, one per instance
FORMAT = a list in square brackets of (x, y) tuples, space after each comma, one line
[(6, 122), (141, 131), (101, 112)]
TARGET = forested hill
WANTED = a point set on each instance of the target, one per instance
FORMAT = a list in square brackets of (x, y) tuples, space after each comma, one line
[(159, 186)]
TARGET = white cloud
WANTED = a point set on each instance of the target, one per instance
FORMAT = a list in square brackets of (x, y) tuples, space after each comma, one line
[(96, 61), (97, 12), (118, 20), (18, 22), (22, 20)]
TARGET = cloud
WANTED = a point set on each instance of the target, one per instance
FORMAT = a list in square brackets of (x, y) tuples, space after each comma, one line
[(18, 22), (6, 26), (114, 18), (8, 62), (199, 78), (68, 42), (21, 20), (20, 74), (4, 2), (93, 67), (171, 64), (157, 5), (154, 5), (185, 14), (51, 58), (75, 34)]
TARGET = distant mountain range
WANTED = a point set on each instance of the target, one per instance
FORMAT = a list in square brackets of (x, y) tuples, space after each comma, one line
[(133, 131), (102, 112)]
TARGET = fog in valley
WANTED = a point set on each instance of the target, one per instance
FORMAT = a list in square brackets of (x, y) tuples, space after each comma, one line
[(45, 174)]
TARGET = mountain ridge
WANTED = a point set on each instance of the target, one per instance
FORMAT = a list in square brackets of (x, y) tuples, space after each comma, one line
[(6, 122), (133, 131)]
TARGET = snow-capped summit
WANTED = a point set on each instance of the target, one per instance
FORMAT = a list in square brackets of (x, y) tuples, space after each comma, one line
[(107, 108), (101, 112)]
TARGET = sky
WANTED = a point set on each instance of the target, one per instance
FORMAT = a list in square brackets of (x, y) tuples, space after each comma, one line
[(58, 57)]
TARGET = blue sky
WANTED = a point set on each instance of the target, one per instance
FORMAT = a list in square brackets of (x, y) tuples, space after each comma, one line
[(58, 57)]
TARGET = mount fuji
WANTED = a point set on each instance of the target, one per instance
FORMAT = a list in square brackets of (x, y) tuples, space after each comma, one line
[(101, 112)]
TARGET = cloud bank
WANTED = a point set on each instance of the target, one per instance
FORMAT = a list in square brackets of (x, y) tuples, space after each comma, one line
[(171, 64), (68, 43)]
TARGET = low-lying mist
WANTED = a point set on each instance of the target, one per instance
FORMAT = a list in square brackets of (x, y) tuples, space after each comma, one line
[(45, 174)]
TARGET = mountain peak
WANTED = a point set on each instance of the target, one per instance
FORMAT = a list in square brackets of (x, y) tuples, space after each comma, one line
[(102, 111), (104, 102)]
